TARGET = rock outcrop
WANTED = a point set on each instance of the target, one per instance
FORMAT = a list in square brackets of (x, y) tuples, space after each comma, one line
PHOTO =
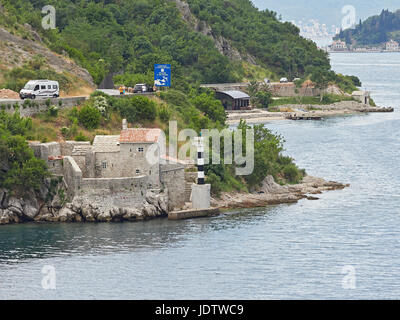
[(81, 209), (223, 45), (272, 193), (15, 53)]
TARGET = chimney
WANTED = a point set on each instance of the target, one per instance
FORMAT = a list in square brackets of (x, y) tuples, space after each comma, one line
[(124, 124)]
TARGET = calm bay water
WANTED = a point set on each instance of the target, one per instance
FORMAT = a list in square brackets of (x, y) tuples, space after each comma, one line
[(286, 251)]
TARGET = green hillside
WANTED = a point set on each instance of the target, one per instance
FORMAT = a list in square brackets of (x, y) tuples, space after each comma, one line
[(132, 35), (375, 30)]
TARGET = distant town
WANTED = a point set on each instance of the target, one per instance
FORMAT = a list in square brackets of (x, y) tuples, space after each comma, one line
[(341, 46)]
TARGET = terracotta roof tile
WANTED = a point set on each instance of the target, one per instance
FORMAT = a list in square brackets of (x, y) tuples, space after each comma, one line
[(140, 135)]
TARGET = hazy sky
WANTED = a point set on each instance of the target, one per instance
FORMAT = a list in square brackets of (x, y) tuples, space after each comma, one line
[(326, 11)]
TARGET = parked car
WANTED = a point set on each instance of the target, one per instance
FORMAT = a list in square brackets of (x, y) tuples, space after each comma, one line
[(266, 80), (40, 89), (140, 87), (284, 80)]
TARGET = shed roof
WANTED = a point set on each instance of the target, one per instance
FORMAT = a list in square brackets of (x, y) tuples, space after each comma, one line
[(140, 135), (235, 94), (106, 144)]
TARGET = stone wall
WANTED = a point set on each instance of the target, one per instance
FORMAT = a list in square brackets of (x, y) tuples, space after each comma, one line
[(28, 111), (56, 167), (133, 184), (115, 192), (46, 150), (72, 176), (290, 90), (68, 146), (173, 178), (112, 162)]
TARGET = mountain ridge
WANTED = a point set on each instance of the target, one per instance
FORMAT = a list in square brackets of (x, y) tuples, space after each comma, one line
[(376, 30)]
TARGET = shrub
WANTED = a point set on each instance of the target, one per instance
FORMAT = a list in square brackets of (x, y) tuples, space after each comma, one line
[(89, 117), (81, 137), (53, 111), (292, 173), (164, 114), (212, 107), (64, 131), (137, 109), (216, 185), (101, 104), (175, 97)]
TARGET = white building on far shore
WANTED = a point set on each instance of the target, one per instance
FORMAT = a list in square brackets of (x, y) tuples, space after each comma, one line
[(339, 46), (392, 45)]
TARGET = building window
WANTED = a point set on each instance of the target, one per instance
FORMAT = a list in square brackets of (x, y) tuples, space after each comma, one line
[(137, 171), (141, 149), (104, 165)]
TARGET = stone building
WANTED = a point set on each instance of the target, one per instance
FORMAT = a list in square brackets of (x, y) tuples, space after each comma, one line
[(116, 167), (362, 96)]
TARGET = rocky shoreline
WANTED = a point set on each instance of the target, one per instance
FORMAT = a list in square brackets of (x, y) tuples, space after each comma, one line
[(271, 193), (337, 109), (81, 209)]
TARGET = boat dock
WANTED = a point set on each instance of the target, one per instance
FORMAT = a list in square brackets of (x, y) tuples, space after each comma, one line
[(303, 117), (193, 213)]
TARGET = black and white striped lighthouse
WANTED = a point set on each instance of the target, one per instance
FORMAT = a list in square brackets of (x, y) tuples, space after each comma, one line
[(201, 192), (200, 160)]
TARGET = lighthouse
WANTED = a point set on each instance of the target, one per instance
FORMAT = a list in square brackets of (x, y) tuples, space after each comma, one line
[(201, 192)]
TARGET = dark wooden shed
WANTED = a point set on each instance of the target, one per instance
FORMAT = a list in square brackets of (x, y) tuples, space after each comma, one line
[(234, 99)]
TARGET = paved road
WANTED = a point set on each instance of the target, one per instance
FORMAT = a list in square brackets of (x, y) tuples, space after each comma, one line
[(111, 92)]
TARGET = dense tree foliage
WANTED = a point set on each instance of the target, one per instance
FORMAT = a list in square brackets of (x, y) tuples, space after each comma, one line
[(375, 30), (260, 33), (20, 171), (132, 35), (129, 35)]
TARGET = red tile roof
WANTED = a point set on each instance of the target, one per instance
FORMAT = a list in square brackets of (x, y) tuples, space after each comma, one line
[(140, 135), (53, 158)]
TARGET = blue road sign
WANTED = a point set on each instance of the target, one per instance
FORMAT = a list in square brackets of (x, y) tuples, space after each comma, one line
[(162, 75)]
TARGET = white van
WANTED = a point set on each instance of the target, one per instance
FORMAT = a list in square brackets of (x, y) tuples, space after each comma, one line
[(40, 89)]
